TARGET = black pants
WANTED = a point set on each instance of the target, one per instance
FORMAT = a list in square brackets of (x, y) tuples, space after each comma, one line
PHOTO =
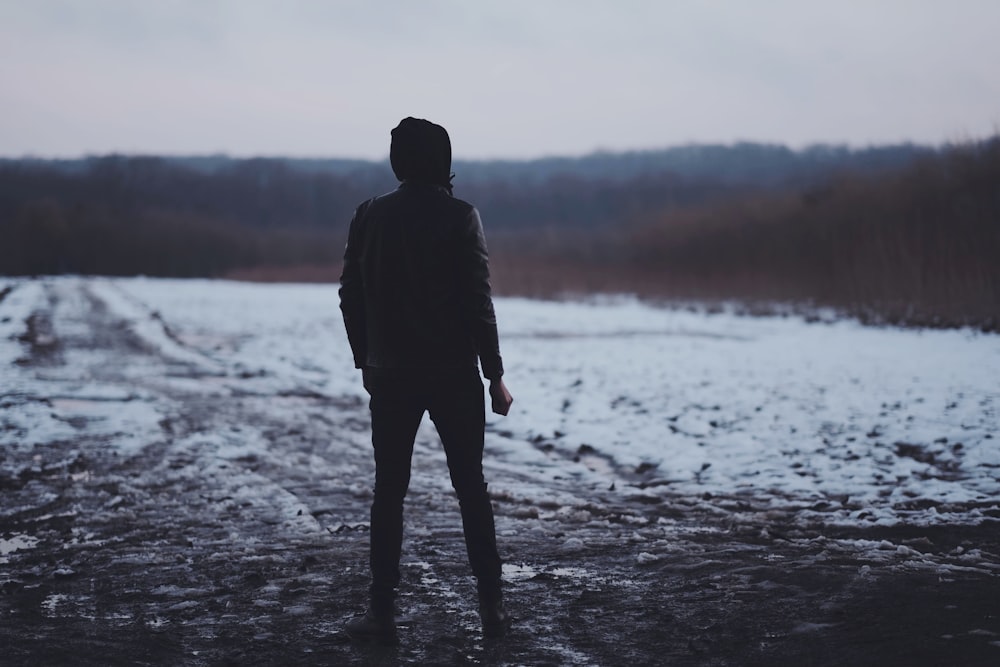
[(455, 402)]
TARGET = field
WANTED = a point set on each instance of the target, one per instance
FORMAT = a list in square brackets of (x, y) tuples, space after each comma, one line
[(186, 472)]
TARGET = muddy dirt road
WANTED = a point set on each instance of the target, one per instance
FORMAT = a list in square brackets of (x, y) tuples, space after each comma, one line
[(161, 507)]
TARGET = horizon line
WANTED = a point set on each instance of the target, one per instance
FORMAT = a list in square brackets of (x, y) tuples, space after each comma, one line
[(595, 152)]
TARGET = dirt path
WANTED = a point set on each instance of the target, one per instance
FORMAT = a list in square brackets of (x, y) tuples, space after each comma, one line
[(184, 512)]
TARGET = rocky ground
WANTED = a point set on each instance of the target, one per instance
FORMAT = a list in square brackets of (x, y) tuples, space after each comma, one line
[(143, 523)]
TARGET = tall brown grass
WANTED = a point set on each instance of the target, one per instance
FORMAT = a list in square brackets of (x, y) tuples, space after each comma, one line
[(921, 247)]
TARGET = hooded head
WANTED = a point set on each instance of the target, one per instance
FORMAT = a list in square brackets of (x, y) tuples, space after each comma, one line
[(421, 151)]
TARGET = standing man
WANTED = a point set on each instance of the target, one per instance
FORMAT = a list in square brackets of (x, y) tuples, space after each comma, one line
[(415, 293)]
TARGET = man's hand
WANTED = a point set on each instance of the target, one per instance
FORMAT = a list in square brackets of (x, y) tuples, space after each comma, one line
[(500, 396)]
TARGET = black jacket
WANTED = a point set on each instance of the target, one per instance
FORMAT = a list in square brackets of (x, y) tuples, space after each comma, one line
[(415, 290)]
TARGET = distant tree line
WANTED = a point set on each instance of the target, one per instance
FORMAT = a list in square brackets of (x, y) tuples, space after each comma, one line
[(905, 233), (127, 216)]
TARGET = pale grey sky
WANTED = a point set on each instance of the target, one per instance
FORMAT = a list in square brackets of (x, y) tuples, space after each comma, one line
[(509, 78)]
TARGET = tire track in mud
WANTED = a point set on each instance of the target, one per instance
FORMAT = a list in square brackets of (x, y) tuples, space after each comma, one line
[(153, 508), (235, 533)]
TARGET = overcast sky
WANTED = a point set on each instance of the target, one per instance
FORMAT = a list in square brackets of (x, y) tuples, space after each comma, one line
[(514, 78)]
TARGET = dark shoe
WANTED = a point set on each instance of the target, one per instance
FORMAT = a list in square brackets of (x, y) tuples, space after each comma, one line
[(496, 620), (372, 628)]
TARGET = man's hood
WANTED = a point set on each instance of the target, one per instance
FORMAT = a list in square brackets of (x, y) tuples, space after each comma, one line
[(421, 151)]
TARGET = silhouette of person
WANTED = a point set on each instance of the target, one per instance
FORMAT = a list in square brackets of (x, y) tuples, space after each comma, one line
[(416, 299)]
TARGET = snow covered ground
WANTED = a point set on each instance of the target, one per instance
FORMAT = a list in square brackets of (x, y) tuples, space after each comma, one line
[(857, 425), (888, 425), (632, 425)]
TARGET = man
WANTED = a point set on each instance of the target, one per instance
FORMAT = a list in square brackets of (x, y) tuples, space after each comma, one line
[(415, 294)]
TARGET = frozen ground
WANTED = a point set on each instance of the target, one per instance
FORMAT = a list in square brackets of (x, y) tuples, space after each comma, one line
[(185, 471)]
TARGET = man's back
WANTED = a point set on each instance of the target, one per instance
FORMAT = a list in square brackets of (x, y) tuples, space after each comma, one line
[(415, 289)]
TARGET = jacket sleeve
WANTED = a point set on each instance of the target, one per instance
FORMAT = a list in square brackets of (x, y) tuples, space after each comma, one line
[(352, 295), (477, 295)]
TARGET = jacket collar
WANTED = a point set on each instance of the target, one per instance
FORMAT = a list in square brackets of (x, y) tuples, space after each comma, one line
[(422, 185)]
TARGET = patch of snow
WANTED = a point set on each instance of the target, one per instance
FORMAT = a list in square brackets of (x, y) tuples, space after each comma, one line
[(52, 601), (14, 543)]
